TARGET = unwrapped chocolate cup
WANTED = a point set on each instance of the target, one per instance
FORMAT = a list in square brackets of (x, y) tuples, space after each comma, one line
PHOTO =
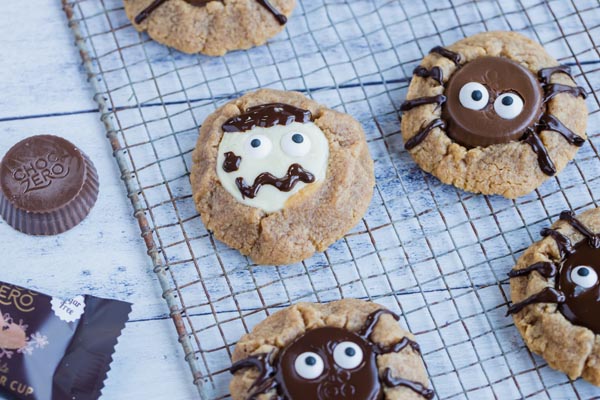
[(47, 185)]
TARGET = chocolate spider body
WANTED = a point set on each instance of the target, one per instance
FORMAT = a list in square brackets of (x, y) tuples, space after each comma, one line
[(329, 363), (577, 290), (494, 100)]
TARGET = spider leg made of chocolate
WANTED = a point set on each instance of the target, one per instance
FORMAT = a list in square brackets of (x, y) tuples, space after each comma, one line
[(145, 13), (576, 272), (295, 372), (525, 128)]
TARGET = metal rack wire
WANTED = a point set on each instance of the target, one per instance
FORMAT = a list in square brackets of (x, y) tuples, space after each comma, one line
[(435, 254)]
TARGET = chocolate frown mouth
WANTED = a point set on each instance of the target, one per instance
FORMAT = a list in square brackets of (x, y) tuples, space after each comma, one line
[(295, 173)]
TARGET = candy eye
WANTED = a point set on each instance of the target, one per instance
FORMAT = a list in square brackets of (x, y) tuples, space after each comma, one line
[(295, 144), (508, 105), (258, 146), (309, 365), (474, 95), (584, 276), (347, 355)]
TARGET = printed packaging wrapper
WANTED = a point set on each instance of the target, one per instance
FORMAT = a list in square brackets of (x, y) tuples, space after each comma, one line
[(56, 349)]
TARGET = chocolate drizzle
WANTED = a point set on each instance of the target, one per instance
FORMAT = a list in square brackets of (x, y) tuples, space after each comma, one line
[(423, 133), (295, 174), (547, 295), (549, 122), (545, 162), (544, 74), (553, 89), (416, 387), (231, 162), (546, 269), (282, 19), (434, 73), (145, 13), (410, 104), (280, 372), (452, 56), (266, 116), (593, 239), (562, 242)]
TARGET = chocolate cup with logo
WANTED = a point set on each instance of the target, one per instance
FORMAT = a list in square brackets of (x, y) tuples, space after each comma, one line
[(47, 185)]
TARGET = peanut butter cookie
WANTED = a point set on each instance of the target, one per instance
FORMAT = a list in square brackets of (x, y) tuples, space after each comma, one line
[(279, 176), (556, 295), (211, 27), (493, 114), (346, 349)]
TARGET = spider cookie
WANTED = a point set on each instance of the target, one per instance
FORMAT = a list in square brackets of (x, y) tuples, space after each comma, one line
[(348, 349), (279, 176), (493, 114), (556, 295), (211, 27)]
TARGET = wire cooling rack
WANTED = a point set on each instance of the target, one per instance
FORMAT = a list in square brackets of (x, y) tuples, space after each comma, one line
[(436, 255)]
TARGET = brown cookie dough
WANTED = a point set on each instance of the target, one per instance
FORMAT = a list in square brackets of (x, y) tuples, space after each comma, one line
[(313, 218), (348, 348), (493, 114), (555, 292), (211, 27)]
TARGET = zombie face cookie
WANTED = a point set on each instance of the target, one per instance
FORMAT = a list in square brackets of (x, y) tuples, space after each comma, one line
[(349, 349), (493, 114), (211, 27), (279, 176), (556, 295)]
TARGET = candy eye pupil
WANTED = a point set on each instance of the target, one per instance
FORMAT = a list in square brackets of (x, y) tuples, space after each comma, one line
[(255, 143), (476, 95), (310, 361), (297, 138), (350, 352), (507, 100), (583, 272)]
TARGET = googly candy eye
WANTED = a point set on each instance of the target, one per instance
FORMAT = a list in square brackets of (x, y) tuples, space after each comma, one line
[(309, 365), (474, 96), (508, 105), (348, 355), (258, 146), (295, 144), (584, 276)]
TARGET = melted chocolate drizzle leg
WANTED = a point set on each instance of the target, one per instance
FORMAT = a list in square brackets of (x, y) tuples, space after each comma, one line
[(372, 320), (553, 89), (563, 243), (145, 13), (452, 56), (544, 160), (569, 216), (546, 269), (282, 19), (423, 133), (545, 73), (416, 387), (434, 73), (410, 104), (548, 295), (549, 122)]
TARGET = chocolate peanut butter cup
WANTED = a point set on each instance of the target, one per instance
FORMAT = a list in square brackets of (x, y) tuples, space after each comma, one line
[(47, 185)]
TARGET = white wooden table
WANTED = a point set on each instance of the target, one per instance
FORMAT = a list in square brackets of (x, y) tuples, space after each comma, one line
[(44, 90)]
